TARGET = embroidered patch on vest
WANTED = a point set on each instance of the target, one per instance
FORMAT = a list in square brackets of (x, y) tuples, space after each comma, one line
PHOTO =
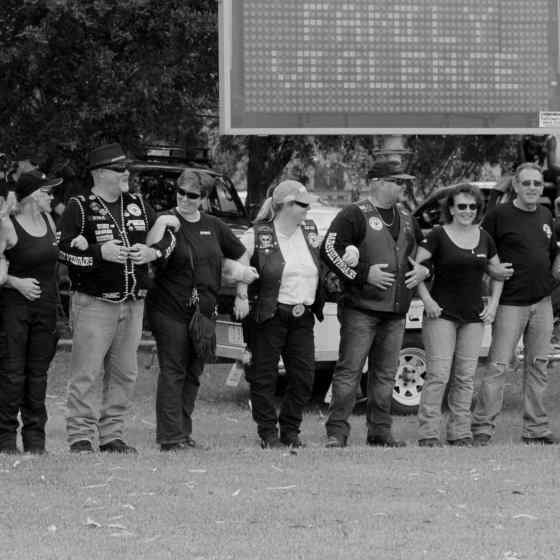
[(133, 209), (313, 239), (375, 223), (264, 240)]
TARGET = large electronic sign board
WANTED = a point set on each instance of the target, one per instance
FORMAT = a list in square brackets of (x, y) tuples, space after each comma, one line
[(379, 65)]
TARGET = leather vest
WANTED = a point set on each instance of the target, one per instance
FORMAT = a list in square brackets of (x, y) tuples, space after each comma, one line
[(111, 281), (268, 260), (378, 246)]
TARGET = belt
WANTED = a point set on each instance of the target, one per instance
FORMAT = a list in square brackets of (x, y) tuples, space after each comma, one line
[(296, 310)]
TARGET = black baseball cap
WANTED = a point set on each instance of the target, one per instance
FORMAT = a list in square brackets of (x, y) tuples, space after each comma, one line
[(32, 181)]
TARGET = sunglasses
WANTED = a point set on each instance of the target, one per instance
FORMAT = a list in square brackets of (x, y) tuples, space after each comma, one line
[(464, 206), (118, 168), (189, 194), (529, 182), (301, 204)]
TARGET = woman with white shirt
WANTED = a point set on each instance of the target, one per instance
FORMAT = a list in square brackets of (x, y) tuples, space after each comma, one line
[(280, 309)]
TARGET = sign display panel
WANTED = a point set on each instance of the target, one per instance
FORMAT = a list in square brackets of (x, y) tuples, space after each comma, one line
[(388, 64)]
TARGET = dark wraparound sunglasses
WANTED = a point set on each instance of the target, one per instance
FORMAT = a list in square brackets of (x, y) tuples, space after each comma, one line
[(529, 182), (463, 206), (301, 204), (118, 168), (189, 194)]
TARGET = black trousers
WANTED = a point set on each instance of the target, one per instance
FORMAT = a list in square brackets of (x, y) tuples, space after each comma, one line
[(292, 338), (28, 338), (178, 381)]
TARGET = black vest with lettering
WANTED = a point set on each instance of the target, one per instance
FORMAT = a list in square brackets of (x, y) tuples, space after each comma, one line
[(111, 281), (268, 260), (378, 246)]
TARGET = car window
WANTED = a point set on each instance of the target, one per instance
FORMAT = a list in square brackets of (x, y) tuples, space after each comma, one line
[(221, 199)]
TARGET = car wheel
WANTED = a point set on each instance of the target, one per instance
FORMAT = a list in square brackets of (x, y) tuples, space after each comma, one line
[(410, 376)]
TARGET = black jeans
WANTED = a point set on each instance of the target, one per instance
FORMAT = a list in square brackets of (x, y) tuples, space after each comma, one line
[(178, 381), (28, 339), (292, 338)]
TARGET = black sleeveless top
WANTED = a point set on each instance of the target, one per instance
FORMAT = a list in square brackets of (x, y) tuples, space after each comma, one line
[(34, 257)]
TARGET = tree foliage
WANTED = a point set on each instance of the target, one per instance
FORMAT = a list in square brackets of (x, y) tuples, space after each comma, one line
[(80, 72)]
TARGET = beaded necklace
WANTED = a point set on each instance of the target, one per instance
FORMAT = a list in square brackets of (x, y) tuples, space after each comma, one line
[(128, 264)]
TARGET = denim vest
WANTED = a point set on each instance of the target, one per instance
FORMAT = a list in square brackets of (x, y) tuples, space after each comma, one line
[(268, 260), (378, 246)]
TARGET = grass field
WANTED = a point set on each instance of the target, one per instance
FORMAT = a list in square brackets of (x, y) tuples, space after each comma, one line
[(233, 500)]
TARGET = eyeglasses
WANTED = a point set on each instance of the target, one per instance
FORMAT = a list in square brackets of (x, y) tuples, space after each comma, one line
[(301, 204), (189, 194), (529, 182), (464, 206)]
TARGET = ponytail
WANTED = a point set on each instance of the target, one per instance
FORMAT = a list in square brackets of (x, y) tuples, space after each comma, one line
[(266, 213)]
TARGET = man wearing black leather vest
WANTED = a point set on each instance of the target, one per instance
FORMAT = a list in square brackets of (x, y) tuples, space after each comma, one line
[(378, 289), (102, 240)]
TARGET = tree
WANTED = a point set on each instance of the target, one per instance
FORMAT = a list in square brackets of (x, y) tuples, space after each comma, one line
[(76, 73)]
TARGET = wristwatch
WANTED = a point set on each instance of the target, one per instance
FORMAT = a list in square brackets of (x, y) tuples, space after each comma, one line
[(158, 253)]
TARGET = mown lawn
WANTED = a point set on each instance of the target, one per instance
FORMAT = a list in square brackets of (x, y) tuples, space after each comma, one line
[(233, 500)]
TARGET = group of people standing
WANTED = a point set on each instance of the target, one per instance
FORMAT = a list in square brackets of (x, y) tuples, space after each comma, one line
[(122, 259)]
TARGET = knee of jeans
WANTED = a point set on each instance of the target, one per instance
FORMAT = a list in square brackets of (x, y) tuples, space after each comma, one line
[(540, 362), (496, 369)]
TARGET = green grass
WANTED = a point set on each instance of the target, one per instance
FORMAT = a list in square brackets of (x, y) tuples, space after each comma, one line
[(236, 501)]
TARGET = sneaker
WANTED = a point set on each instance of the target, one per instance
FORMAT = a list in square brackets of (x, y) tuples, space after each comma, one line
[(378, 441), (81, 446), (117, 446), (461, 442), (548, 439), (292, 440), (481, 440), (429, 442), (271, 442), (336, 441)]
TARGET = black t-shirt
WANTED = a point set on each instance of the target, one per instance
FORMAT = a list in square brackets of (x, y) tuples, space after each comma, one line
[(527, 240), (458, 272), (209, 241)]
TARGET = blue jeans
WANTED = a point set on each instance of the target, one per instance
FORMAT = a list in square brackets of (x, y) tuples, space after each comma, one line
[(365, 335), (178, 380), (452, 350), (534, 322), (104, 345)]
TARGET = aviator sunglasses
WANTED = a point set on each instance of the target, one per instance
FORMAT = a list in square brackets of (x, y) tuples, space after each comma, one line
[(464, 206)]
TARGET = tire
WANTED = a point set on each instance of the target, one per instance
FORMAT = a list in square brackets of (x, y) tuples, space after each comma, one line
[(410, 376)]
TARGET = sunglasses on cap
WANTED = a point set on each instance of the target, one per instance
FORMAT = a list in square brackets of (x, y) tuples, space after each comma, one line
[(464, 206), (189, 194), (301, 204)]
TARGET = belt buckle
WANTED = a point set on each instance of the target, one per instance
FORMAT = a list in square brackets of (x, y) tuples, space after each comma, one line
[(298, 310)]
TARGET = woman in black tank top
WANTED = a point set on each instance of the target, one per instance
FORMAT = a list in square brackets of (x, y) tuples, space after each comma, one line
[(28, 301)]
